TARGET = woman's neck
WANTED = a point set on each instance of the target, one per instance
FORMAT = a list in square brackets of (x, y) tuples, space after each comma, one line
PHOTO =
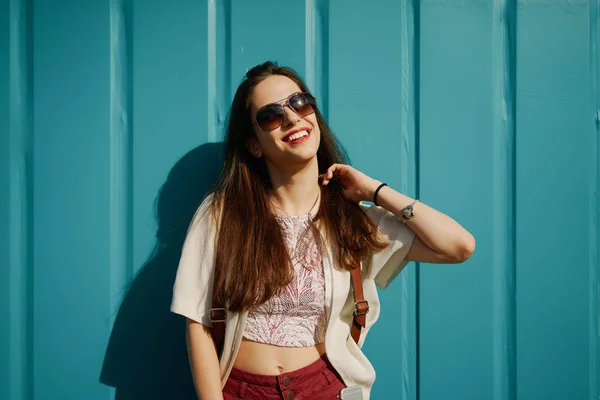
[(295, 192)]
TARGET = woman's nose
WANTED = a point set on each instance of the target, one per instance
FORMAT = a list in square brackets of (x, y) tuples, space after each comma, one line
[(289, 116)]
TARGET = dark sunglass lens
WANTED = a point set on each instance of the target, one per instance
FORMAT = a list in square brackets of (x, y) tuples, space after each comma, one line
[(270, 117), (303, 104)]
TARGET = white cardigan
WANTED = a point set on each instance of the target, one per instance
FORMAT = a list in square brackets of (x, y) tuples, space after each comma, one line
[(192, 293)]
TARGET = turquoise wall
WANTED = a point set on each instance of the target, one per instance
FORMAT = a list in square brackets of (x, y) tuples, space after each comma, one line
[(111, 114)]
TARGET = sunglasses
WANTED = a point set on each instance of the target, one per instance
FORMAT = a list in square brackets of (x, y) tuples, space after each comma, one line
[(270, 117)]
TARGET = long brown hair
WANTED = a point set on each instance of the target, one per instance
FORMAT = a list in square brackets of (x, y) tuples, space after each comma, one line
[(252, 263)]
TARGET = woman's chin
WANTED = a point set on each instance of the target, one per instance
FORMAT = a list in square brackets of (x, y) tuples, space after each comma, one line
[(296, 160), (305, 157)]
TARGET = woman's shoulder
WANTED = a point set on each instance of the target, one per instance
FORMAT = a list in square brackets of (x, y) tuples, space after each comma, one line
[(203, 224), (205, 212)]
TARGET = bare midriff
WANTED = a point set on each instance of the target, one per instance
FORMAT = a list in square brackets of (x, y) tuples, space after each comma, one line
[(266, 359)]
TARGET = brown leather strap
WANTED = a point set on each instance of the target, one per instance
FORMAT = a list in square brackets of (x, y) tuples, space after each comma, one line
[(361, 306), (218, 314)]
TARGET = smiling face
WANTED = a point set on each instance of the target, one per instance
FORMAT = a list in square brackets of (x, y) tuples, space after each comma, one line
[(293, 143)]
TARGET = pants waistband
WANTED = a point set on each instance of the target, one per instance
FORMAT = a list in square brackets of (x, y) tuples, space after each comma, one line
[(274, 381)]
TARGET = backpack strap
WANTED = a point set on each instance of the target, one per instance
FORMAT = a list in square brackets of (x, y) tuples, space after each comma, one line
[(361, 306), (218, 314)]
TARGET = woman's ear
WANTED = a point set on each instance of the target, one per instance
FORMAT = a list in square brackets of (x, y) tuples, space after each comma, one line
[(254, 148)]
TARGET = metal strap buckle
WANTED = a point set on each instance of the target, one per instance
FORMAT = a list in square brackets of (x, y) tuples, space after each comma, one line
[(357, 312), (218, 315)]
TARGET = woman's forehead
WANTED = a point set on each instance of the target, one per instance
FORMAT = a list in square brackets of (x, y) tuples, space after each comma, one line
[(273, 89)]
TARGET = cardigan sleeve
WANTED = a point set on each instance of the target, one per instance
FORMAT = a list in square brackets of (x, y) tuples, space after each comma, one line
[(386, 264), (193, 288)]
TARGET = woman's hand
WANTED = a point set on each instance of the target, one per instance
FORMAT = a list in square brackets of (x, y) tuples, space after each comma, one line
[(357, 186)]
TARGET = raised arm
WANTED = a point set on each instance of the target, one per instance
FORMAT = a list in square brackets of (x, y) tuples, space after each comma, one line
[(439, 238)]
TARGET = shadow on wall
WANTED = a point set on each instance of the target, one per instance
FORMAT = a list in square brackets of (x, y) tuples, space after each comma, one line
[(146, 357)]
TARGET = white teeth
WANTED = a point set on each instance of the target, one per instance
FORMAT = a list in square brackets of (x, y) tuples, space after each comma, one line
[(297, 136)]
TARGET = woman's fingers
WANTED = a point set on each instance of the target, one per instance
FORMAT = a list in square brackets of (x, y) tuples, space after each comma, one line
[(328, 175), (330, 171), (334, 170)]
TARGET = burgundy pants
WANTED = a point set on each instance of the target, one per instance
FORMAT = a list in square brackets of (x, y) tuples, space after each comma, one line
[(317, 381)]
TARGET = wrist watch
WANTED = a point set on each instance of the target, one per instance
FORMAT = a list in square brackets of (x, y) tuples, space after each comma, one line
[(408, 212)]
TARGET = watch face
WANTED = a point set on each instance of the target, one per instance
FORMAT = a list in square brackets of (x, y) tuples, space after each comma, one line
[(407, 212)]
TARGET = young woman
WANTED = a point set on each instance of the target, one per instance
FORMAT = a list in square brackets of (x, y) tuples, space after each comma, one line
[(278, 239)]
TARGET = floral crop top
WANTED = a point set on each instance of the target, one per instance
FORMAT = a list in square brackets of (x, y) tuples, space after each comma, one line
[(297, 317)]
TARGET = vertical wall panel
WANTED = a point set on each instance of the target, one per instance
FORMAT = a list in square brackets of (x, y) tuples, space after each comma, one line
[(503, 201), (71, 50), (219, 67), (556, 138), (594, 332), (456, 164), (121, 211), (317, 52), (5, 267), (372, 92), (170, 86), (267, 30), (15, 201)]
